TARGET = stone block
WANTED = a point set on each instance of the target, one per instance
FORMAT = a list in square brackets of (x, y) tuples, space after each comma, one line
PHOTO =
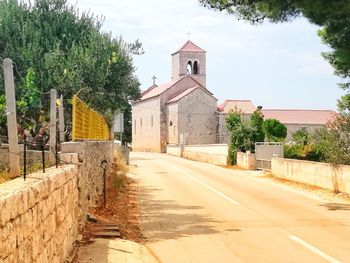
[(5, 211), (72, 147)]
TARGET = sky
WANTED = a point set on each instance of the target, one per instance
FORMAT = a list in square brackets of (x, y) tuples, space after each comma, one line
[(275, 65)]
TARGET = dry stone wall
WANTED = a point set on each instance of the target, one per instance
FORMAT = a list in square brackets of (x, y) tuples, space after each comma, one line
[(38, 220), (40, 217)]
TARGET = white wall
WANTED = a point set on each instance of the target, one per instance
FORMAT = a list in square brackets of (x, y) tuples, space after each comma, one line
[(324, 175)]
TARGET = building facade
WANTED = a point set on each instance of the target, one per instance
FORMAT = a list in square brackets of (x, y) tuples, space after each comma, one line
[(185, 110)]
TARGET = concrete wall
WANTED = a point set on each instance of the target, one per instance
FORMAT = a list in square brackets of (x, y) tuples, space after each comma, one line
[(198, 117), (333, 177), (146, 136), (39, 216), (246, 161), (173, 150), (215, 153)]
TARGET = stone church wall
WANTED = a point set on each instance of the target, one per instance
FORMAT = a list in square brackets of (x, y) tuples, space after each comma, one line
[(172, 122), (146, 125), (198, 117)]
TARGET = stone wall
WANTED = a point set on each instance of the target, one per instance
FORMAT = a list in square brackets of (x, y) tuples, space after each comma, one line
[(216, 154), (39, 216), (33, 157), (324, 175), (146, 119), (198, 117), (90, 155), (246, 161)]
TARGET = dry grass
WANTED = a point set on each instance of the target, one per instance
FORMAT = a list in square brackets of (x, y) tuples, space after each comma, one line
[(119, 170), (4, 176)]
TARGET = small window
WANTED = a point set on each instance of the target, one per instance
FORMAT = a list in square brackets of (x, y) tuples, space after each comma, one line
[(134, 126), (195, 68), (170, 123), (152, 121), (141, 122)]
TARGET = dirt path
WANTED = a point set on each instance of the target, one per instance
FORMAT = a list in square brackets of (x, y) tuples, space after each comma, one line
[(122, 209)]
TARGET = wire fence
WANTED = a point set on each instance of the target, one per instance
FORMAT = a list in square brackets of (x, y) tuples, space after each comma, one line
[(87, 124), (33, 156)]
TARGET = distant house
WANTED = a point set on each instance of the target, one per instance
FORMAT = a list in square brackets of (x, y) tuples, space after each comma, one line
[(294, 119), (310, 120)]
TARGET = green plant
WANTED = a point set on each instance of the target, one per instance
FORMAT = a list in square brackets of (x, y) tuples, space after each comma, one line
[(274, 130)]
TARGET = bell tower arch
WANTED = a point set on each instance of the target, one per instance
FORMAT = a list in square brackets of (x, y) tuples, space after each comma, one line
[(189, 60)]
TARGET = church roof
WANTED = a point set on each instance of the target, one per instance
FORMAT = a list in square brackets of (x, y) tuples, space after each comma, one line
[(186, 92), (297, 116), (246, 106), (189, 46), (149, 89), (149, 93), (158, 90)]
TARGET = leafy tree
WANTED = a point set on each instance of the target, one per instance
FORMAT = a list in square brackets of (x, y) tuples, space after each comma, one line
[(274, 130), (240, 134), (301, 136), (54, 46), (334, 140), (304, 147), (257, 120), (333, 16)]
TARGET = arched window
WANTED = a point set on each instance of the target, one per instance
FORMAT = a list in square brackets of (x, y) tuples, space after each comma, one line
[(195, 68), (189, 67)]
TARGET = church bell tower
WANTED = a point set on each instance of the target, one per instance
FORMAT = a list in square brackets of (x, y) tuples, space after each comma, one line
[(189, 60)]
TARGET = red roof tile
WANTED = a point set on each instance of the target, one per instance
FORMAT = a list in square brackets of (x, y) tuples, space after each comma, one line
[(183, 94), (299, 116), (246, 106), (189, 47), (157, 90)]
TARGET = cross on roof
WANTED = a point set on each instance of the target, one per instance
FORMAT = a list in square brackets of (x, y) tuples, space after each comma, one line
[(154, 80), (189, 34)]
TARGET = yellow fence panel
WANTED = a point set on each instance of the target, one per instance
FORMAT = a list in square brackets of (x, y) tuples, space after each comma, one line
[(87, 123)]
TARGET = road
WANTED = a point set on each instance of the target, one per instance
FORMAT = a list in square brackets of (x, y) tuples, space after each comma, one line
[(196, 212)]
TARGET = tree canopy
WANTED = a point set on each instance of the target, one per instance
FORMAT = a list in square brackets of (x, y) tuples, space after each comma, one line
[(52, 45), (332, 16)]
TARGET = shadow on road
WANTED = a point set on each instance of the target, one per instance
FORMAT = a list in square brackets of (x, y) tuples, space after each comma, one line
[(165, 219), (336, 206)]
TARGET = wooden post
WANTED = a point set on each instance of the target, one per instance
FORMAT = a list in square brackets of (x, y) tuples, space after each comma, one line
[(11, 118), (53, 120), (61, 120)]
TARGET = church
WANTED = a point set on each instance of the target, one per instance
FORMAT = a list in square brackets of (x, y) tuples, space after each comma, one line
[(181, 109), (184, 111)]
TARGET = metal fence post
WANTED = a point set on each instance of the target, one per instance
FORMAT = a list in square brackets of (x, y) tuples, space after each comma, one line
[(53, 121), (24, 157)]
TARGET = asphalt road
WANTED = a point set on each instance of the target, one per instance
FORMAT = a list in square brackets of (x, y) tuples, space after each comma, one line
[(196, 212)]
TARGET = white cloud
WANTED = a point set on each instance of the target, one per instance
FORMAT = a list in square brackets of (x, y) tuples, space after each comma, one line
[(272, 50)]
